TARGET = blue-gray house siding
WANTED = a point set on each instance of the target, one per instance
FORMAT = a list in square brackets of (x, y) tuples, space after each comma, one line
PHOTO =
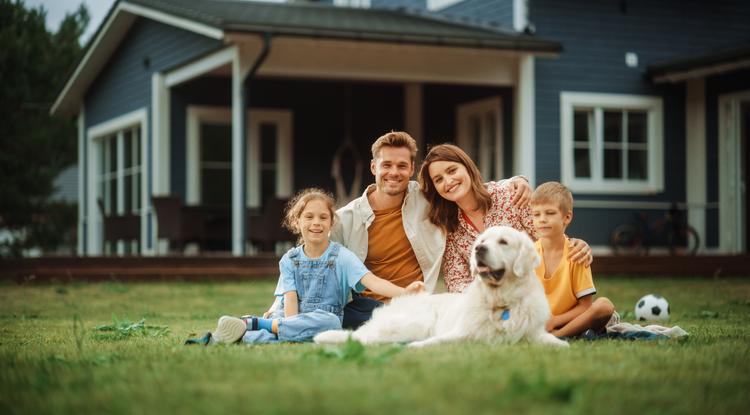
[(124, 85), (595, 37)]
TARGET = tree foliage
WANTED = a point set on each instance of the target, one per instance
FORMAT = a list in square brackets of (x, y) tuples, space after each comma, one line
[(34, 147)]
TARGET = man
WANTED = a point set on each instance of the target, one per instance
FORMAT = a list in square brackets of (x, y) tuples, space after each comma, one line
[(388, 229)]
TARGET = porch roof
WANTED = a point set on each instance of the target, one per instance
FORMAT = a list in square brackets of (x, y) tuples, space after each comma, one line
[(326, 21), (220, 19), (701, 65)]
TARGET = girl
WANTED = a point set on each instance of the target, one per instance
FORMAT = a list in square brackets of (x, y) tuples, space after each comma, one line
[(314, 283), (462, 205)]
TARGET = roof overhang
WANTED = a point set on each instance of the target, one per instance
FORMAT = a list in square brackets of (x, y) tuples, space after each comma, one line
[(680, 70), (369, 54), (104, 43)]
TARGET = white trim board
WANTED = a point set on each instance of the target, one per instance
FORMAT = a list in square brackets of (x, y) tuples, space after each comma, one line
[(201, 66), (597, 184), (168, 19)]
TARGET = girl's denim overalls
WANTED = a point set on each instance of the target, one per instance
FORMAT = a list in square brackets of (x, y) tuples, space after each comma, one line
[(319, 296)]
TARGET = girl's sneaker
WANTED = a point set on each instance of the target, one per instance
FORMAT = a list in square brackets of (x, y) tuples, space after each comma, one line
[(229, 330)]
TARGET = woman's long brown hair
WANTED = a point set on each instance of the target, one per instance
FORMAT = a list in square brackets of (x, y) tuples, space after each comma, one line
[(444, 213)]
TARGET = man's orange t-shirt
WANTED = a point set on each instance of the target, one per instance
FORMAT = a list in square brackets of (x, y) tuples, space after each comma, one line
[(389, 253)]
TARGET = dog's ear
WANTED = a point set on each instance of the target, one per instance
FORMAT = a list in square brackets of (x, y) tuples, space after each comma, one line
[(527, 259)]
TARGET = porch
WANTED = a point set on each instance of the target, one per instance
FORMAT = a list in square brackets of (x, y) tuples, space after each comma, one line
[(265, 266)]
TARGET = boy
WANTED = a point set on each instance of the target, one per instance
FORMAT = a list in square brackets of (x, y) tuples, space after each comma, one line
[(569, 286)]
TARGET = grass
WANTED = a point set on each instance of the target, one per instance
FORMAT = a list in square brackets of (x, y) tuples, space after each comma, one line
[(117, 348)]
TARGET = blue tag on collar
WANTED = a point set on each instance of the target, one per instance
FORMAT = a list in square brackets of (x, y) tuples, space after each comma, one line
[(505, 315)]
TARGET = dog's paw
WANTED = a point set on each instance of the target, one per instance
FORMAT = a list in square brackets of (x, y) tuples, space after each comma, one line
[(332, 337), (418, 344)]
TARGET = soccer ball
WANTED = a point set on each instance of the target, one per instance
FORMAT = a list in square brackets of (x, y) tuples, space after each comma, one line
[(652, 307)]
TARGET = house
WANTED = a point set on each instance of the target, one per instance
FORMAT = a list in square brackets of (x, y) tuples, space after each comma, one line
[(232, 104)]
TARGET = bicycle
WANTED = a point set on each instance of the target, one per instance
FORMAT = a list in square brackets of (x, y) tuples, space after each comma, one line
[(671, 230)]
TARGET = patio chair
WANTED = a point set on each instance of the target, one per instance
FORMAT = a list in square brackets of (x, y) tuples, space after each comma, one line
[(125, 227), (178, 224), (266, 229)]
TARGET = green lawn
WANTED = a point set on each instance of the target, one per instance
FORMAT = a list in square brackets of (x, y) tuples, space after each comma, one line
[(54, 360)]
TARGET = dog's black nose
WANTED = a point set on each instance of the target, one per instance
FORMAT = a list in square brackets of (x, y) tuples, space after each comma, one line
[(481, 249)]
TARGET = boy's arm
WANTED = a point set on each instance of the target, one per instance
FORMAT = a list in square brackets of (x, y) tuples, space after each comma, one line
[(387, 288), (291, 308), (561, 320)]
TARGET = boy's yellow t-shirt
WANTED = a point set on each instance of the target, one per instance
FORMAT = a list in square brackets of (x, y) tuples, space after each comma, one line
[(569, 282)]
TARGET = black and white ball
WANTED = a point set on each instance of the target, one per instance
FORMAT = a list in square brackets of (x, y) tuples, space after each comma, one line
[(652, 307)]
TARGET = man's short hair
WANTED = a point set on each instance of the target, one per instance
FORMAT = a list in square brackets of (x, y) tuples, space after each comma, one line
[(395, 139), (556, 193)]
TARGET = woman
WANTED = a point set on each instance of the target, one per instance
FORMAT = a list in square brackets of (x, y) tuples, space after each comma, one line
[(462, 205)]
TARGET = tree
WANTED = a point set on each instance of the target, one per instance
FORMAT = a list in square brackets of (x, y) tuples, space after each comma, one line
[(34, 147)]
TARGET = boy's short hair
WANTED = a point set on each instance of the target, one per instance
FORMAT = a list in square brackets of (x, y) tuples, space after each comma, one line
[(554, 192), (395, 139)]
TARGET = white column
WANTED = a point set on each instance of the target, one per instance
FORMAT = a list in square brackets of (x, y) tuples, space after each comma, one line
[(81, 227), (523, 127), (413, 115), (93, 217), (240, 68), (159, 175), (695, 155)]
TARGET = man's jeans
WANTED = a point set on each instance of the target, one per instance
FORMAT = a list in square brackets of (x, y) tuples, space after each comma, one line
[(359, 310)]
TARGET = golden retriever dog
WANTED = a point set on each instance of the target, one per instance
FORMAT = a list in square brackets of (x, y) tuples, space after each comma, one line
[(504, 304)]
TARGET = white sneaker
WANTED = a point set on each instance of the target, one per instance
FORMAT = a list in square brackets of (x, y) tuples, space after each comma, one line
[(229, 330)]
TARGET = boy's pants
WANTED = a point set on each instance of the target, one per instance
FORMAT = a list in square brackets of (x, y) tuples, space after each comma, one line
[(300, 328)]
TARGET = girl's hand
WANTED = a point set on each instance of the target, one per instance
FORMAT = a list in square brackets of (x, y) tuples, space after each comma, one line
[(521, 192), (580, 252), (267, 314), (414, 288)]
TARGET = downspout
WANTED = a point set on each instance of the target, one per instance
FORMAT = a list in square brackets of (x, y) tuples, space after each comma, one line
[(245, 85)]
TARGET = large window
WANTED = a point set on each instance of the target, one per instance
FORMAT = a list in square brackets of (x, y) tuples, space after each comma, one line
[(119, 178), (611, 143), (209, 156)]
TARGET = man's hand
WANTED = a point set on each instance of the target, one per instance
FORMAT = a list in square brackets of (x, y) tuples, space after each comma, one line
[(580, 252), (521, 192), (414, 288)]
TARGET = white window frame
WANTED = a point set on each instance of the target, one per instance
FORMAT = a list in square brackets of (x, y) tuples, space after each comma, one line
[(284, 150), (599, 102), (95, 134), (485, 161)]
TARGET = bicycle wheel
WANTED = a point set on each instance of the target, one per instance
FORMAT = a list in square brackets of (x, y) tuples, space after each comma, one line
[(683, 241), (626, 239)]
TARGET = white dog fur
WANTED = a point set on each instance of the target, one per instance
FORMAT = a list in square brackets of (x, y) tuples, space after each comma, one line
[(503, 262)]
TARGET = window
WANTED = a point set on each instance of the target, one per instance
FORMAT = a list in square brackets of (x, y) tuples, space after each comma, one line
[(119, 177), (611, 143), (479, 135), (209, 156)]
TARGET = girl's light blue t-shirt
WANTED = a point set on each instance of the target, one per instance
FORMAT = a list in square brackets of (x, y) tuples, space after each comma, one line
[(348, 268)]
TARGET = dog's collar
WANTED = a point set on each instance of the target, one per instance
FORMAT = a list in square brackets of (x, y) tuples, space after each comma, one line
[(503, 310)]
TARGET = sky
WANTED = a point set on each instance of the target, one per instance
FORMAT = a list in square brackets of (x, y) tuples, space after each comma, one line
[(57, 9)]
